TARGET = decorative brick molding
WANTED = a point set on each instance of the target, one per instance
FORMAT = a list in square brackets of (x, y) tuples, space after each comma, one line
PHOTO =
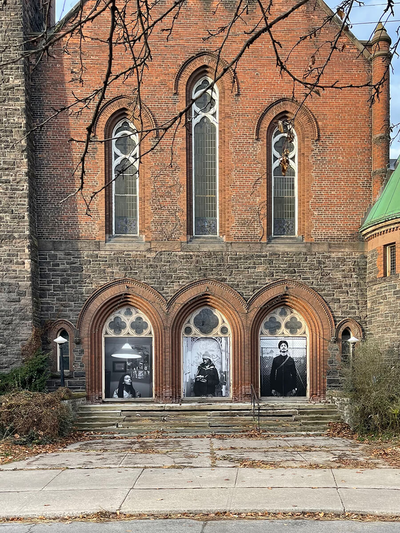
[(318, 317), (112, 112), (353, 326), (229, 303), (209, 60), (291, 108), (52, 333), (355, 329), (307, 130), (125, 103), (378, 238), (91, 321)]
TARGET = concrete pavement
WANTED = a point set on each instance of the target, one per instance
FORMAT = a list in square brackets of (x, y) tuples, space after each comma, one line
[(192, 526), (195, 526), (201, 475)]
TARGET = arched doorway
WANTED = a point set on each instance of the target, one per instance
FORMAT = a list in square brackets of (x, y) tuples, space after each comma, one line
[(128, 352), (206, 346), (283, 353)]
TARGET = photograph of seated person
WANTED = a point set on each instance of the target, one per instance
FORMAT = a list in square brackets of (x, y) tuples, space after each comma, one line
[(125, 388), (206, 378)]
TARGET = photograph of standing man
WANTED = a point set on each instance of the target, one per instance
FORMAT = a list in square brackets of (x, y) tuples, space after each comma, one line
[(283, 373)]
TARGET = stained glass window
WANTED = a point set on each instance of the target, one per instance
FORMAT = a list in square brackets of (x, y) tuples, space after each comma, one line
[(284, 182), (205, 158), (206, 354), (128, 351), (125, 149)]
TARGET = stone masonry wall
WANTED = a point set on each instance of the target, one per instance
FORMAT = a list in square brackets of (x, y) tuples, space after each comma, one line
[(18, 247), (70, 272), (383, 304)]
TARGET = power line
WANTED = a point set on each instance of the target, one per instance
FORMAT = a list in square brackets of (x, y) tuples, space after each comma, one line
[(372, 22), (373, 5)]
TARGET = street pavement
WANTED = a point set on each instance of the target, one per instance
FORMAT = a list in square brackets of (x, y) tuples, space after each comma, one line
[(172, 476), (192, 526)]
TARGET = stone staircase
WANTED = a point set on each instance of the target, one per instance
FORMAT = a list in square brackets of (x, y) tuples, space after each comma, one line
[(204, 418)]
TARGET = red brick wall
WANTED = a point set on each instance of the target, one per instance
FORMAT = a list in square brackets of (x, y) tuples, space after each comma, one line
[(335, 163)]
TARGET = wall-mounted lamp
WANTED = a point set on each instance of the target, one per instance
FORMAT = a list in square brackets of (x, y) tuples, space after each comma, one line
[(60, 341)]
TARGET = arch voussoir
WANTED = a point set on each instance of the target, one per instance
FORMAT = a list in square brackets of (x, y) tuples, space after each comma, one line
[(315, 312)]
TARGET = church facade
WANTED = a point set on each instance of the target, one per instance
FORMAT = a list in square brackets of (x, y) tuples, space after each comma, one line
[(200, 254)]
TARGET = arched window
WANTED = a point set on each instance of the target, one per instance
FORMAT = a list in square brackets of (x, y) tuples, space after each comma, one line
[(284, 182), (206, 354), (205, 158), (63, 351), (345, 345), (128, 341), (283, 353), (125, 164), (347, 329)]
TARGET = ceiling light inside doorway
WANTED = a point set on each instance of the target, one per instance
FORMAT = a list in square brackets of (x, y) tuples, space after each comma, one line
[(127, 352)]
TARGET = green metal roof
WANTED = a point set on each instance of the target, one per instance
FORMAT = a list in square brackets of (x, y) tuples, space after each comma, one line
[(387, 206)]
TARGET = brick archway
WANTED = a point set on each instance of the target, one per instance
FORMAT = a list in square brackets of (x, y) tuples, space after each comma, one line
[(315, 312), (226, 300), (91, 321)]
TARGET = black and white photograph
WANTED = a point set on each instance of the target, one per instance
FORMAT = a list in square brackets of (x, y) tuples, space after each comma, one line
[(283, 366), (206, 367), (128, 364)]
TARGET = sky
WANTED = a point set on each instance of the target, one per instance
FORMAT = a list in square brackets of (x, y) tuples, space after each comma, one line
[(363, 21)]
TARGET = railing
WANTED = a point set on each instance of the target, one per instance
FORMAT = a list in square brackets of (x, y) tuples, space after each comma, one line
[(255, 405)]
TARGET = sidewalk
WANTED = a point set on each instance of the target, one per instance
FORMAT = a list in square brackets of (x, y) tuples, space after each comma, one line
[(201, 475)]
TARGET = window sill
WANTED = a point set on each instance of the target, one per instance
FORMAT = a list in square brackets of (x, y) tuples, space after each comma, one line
[(205, 243), (123, 242), (205, 238), (286, 240), (125, 238)]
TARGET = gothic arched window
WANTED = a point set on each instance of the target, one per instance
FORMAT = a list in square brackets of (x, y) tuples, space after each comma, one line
[(206, 354), (283, 353), (125, 178), (284, 182), (205, 158), (128, 343), (345, 345), (63, 351)]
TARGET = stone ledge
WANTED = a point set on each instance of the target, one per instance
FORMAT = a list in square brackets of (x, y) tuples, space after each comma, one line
[(197, 246)]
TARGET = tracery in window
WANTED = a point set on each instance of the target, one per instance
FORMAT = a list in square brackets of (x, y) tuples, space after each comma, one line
[(283, 353), (125, 162), (205, 158), (206, 354), (128, 340), (284, 182)]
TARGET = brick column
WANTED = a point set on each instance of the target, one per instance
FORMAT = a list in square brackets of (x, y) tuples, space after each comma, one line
[(380, 48)]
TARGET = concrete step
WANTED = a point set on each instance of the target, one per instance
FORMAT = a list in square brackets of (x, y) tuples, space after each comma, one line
[(206, 418)]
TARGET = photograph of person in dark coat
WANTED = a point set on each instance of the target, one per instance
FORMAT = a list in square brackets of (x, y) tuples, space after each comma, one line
[(283, 373), (206, 378)]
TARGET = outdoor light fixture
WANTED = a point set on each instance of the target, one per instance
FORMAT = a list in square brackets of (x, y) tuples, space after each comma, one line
[(60, 341), (127, 352), (352, 342)]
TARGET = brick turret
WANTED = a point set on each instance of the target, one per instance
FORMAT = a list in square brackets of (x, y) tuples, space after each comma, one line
[(380, 48)]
